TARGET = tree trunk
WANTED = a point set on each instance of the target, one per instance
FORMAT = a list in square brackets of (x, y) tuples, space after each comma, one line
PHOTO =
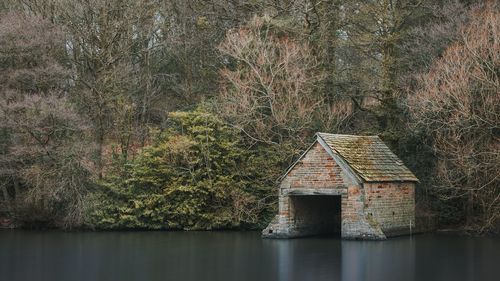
[(17, 188), (5, 192), (100, 145), (469, 215)]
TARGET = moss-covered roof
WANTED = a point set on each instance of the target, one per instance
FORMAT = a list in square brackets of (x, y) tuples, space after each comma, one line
[(369, 157)]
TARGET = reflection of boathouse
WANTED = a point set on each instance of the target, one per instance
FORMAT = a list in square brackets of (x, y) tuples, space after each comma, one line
[(352, 185)]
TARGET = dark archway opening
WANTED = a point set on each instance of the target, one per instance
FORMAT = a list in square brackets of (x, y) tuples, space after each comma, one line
[(317, 214)]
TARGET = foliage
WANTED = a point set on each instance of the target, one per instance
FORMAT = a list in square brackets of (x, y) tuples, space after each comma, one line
[(269, 91), (457, 106), (85, 85), (198, 174), (42, 160)]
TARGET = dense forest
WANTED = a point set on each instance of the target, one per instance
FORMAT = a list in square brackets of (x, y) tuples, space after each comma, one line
[(183, 114)]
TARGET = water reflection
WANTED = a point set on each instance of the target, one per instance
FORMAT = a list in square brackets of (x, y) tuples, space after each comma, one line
[(26, 255), (368, 260), (306, 259)]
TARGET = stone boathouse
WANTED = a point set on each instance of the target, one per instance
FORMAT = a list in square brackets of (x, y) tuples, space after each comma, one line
[(350, 185)]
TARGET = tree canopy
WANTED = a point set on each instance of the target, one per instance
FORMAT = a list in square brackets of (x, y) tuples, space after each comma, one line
[(181, 114)]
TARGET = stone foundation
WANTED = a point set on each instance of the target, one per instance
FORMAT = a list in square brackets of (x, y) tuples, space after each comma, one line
[(372, 211), (309, 215)]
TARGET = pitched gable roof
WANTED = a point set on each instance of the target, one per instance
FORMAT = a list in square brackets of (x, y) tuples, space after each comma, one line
[(369, 157)]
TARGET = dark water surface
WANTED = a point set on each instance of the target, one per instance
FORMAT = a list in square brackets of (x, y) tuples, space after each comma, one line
[(54, 256)]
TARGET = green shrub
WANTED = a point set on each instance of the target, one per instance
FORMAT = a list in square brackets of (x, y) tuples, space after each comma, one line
[(198, 174)]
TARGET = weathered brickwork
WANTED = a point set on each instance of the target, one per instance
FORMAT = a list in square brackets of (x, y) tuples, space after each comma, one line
[(355, 224), (392, 205), (296, 218), (321, 194), (316, 170)]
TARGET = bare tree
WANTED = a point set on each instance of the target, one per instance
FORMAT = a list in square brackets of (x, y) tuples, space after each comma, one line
[(268, 88), (42, 165), (458, 105)]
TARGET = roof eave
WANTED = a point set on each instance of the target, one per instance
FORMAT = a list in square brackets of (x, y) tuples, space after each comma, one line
[(392, 180)]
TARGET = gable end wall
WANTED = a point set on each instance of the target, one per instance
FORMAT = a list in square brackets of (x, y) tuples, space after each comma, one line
[(316, 169)]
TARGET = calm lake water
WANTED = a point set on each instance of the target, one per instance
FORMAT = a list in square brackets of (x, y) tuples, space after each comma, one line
[(54, 256)]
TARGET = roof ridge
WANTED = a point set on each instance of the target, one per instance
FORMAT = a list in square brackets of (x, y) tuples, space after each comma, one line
[(346, 135)]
